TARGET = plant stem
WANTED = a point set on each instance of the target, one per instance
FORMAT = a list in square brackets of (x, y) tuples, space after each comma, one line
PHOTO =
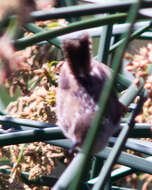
[(77, 26), (36, 29), (30, 136), (84, 10)]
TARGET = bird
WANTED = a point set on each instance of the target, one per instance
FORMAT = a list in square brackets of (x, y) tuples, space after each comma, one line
[(80, 84)]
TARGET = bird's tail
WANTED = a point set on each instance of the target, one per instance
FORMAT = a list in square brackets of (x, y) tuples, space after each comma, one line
[(78, 55)]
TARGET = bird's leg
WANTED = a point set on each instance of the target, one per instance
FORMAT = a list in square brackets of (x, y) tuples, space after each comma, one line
[(73, 150), (70, 153)]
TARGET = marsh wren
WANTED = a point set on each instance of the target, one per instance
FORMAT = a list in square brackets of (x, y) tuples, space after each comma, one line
[(81, 82)]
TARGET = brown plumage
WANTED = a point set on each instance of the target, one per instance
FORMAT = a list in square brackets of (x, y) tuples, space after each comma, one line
[(81, 82)]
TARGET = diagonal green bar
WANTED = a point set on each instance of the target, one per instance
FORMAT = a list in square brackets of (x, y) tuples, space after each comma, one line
[(122, 82), (40, 180), (109, 6), (12, 122), (126, 159), (31, 136), (104, 43), (120, 173), (121, 188), (139, 146), (36, 29), (77, 26), (115, 174), (124, 171), (141, 130), (145, 37), (132, 161), (125, 131), (131, 93), (67, 3), (111, 159), (133, 36)]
